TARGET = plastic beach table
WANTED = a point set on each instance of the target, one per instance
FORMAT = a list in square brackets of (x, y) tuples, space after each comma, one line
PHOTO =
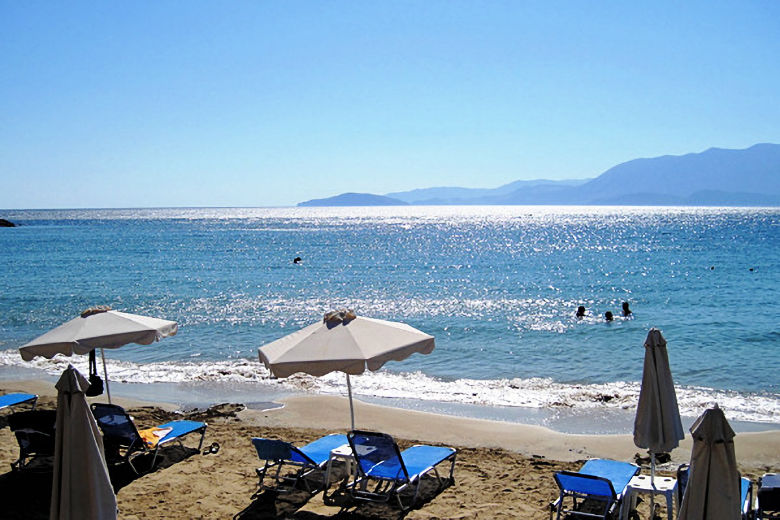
[(344, 454), (666, 486)]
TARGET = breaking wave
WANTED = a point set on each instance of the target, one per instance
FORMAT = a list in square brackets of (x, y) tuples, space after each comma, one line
[(532, 393)]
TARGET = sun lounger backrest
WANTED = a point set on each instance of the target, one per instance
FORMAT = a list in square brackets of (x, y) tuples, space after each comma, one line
[(583, 484), (682, 481), (769, 492), (617, 472), (272, 449), (377, 454), (116, 425), (34, 430)]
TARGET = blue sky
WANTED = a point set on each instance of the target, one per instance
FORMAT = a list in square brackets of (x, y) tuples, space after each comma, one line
[(142, 104)]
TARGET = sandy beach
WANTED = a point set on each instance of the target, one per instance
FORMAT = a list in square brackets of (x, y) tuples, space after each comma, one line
[(503, 470)]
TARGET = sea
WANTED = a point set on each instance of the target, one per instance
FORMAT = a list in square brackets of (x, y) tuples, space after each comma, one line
[(497, 286)]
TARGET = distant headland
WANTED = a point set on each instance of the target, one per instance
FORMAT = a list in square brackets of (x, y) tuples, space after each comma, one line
[(355, 199), (715, 177)]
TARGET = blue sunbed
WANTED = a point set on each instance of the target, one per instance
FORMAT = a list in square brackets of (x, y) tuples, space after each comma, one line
[(122, 440), (380, 461), (306, 459), (600, 481), (34, 431), (17, 398)]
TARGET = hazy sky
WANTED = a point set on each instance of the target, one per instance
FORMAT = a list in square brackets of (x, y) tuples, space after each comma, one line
[(268, 103)]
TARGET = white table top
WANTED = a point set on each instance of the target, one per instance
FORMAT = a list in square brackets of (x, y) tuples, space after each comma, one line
[(345, 450), (660, 484)]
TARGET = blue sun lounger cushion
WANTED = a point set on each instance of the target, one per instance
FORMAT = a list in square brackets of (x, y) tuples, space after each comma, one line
[(746, 496), (380, 461), (598, 481), (14, 399), (122, 440), (306, 459)]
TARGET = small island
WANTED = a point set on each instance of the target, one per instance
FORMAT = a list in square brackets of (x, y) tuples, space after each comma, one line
[(355, 199)]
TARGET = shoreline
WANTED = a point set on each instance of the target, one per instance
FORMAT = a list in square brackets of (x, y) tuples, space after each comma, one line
[(202, 394), (589, 407), (754, 449)]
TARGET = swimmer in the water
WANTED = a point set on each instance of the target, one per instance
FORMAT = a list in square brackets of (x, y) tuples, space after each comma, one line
[(626, 310), (608, 316), (297, 260), (580, 312)]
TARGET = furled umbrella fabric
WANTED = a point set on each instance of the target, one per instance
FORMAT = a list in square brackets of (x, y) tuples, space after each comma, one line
[(98, 328), (713, 490), (657, 426), (81, 487), (346, 343)]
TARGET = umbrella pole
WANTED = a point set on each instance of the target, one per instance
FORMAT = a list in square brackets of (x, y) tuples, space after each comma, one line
[(351, 409), (652, 484), (105, 374)]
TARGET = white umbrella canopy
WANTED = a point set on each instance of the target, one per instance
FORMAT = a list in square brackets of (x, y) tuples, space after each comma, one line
[(346, 343), (81, 487), (100, 328), (657, 426), (713, 490)]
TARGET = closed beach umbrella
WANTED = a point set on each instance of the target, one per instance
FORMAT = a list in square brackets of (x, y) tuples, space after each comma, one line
[(657, 426), (346, 343), (81, 487), (713, 490), (98, 328)]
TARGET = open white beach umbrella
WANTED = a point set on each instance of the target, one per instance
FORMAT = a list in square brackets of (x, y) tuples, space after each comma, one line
[(81, 487), (346, 343), (98, 328), (657, 426), (713, 490)]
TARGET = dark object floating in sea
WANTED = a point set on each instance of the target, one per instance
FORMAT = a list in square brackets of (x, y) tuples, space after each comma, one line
[(6, 223), (297, 260)]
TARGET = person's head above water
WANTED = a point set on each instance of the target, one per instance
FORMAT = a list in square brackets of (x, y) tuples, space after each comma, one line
[(608, 316), (626, 310), (580, 311)]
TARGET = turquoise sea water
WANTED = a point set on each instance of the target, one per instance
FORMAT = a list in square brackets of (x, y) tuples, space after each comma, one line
[(497, 286)]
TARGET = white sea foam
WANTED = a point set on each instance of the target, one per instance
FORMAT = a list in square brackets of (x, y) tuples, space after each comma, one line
[(528, 393)]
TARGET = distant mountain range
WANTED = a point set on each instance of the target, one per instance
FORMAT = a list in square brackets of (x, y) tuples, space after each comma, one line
[(715, 177)]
